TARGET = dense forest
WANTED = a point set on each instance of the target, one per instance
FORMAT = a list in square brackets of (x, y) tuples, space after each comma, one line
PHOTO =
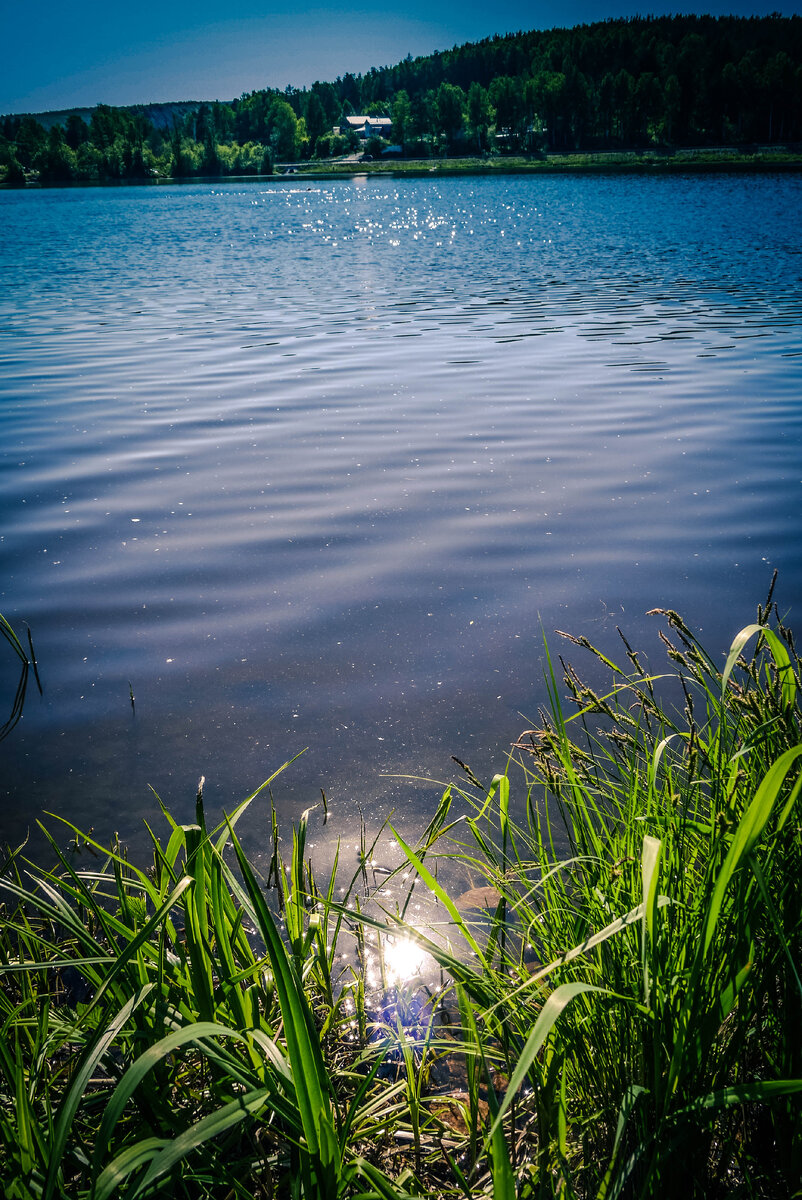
[(619, 84)]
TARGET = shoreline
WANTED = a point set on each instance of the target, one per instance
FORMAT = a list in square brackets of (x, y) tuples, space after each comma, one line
[(630, 162), (742, 161)]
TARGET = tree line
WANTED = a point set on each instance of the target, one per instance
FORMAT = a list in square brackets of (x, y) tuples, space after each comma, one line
[(618, 84)]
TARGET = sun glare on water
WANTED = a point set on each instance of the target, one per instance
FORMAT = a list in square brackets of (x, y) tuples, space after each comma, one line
[(404, 961)]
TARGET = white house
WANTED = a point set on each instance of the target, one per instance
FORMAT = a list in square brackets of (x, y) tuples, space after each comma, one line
[(368, 127)]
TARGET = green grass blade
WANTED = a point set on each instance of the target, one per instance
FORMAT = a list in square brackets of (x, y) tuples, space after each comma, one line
[(631, 1097), (442, 896), (650, 860), (760, 1091), (779, 654), (145, 1063), (500, 1165), (757, 870), (748, 833), (382, 1187), (551, 1011), (83, 1074), (303, 1047), (137, 942), (163, 1158), (126, 1162), (230, 820)]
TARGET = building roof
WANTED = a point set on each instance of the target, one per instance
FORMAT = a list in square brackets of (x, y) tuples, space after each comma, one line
[(357, 122)]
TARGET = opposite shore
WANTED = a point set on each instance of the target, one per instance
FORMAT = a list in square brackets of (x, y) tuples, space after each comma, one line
[(742, 160)]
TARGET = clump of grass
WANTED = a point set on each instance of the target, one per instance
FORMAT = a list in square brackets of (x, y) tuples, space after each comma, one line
[(642, 992), (622, 1008), (164, 1032)]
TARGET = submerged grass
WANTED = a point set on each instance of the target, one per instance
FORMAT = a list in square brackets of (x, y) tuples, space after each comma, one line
[(623, 1019)]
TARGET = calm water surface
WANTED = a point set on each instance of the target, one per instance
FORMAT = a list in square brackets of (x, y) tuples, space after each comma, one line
[(310, 466)]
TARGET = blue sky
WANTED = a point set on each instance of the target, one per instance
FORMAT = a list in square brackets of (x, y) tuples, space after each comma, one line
[(59, 55)]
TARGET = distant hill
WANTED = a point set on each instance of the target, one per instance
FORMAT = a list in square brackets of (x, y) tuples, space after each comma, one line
[(161, 116)]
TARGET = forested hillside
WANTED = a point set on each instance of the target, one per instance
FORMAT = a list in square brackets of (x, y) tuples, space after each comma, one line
[(619, 84)]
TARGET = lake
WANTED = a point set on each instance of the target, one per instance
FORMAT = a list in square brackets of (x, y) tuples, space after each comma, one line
[(316, 464)]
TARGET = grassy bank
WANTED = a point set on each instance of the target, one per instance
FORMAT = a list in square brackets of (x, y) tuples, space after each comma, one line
[(623, 1019), (612, 162)]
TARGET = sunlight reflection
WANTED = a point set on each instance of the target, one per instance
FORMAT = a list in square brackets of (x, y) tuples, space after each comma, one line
[(404, 960)]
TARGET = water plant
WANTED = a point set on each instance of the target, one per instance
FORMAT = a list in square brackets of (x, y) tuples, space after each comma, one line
[(26, 664), (620, 1007)]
